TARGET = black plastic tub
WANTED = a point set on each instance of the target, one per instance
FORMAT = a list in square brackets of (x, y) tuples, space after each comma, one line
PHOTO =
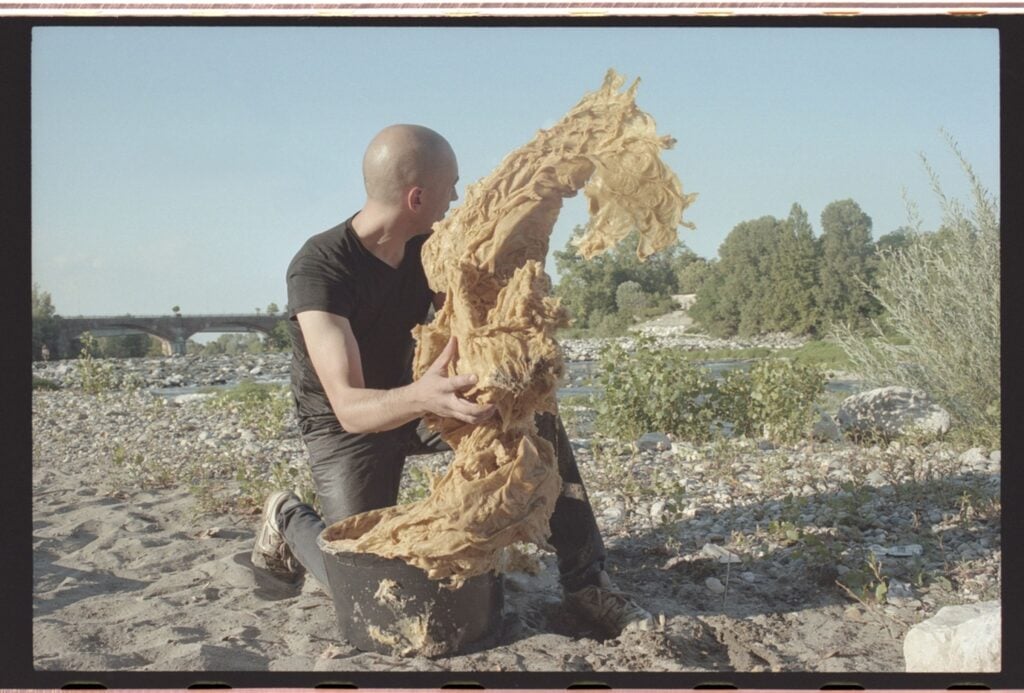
[(386, 605)]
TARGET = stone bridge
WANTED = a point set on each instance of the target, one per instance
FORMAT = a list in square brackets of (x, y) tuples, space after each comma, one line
[(172, 330)]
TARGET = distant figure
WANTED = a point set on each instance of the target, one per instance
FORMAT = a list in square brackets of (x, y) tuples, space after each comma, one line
[(45, 351)]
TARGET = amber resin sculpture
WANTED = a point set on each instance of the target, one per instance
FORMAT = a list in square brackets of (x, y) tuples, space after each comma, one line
[(488, 259)]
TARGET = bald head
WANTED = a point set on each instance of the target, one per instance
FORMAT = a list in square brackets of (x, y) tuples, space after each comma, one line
[(401, 157)]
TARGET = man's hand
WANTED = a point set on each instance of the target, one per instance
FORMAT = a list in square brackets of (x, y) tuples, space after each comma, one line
[(439, 394)]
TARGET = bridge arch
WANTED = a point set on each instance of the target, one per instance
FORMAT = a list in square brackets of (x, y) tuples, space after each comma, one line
[(172, 330)]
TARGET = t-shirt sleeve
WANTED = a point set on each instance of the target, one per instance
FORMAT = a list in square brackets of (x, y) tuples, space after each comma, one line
[(314, 284)]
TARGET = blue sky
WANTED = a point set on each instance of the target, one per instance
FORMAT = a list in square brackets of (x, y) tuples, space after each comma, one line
[(185, 166)]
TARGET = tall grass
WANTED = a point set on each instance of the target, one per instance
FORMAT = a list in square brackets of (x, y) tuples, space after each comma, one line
[(941, 301)]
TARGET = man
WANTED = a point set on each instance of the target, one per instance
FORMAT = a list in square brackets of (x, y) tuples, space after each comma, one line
[(354, 293)]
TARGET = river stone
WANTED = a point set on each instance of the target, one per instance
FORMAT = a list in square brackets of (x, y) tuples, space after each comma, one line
[(958, 638), (715, 585), (891, 412), (826, 429), (975, 457), (654, 441)]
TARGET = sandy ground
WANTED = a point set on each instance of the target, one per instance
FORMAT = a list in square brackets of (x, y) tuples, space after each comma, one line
[(145, 584)]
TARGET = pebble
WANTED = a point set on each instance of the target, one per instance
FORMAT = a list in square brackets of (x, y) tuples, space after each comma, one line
[(76, 430), (715, 585)]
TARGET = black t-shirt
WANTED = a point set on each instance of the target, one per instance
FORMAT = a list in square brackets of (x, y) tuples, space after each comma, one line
[(334, 272)]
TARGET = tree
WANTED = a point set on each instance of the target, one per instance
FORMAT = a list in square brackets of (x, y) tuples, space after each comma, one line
[(896, 240), (279, 338), (691, 277), (630, 299), (272, 309), (45, 323), (588, 288), (176, 310), (793, 277), (847, 263), (124, 346), (736, 296), (765, 279)]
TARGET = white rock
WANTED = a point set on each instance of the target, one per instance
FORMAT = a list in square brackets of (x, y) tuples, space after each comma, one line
[(974, 458), (964, 638), (658, 509), (720, 554), (715, 585), (996, 456), (891, 412), (654, 441)]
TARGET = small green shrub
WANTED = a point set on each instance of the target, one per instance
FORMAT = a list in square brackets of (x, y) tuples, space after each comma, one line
[(43, 384), (653, 390), (97, 375), (661, 390), (263, 408), (774, 399)]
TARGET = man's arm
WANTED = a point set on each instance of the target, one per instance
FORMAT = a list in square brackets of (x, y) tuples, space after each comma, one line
[(334, 353)]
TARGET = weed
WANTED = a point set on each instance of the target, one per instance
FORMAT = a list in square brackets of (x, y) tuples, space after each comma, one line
[(265, 409), (43, 384)]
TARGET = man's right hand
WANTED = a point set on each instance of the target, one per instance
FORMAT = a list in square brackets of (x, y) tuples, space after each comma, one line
[(439, 393)]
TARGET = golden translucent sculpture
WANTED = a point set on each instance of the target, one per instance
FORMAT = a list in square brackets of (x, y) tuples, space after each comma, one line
[(488, 258)]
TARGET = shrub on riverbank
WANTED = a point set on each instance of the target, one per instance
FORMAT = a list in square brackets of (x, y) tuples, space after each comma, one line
[(774, 399), (265, 409), (941, 297), (43, 384), (661, 390)]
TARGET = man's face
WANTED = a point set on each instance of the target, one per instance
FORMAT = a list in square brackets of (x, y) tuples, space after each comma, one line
[(440, 192)]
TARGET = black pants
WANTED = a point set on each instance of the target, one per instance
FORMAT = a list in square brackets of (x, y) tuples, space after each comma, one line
[(351, 478)]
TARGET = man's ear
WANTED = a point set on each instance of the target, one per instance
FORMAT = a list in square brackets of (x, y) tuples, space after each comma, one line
[(414, 198)]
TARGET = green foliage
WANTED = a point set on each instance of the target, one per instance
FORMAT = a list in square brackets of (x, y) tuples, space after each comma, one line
[(941, 294), (630, 298), (774, 399), (822, 353), (256, 482), (97, 376), (124, 346), (588, 288), (847, 264), (43, 384), (236, 343), (262, 408), (691, 271), (764, 280), (279, 338), (661, 390), (45, 323), (653, 390)]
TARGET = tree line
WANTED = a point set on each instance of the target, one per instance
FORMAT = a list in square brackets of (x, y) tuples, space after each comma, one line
[(771, 275)]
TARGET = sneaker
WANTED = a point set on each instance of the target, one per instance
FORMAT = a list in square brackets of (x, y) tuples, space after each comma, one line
[(271, 553), (609, 609)]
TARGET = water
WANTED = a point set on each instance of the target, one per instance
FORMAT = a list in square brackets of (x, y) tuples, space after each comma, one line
[(578, 377)]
